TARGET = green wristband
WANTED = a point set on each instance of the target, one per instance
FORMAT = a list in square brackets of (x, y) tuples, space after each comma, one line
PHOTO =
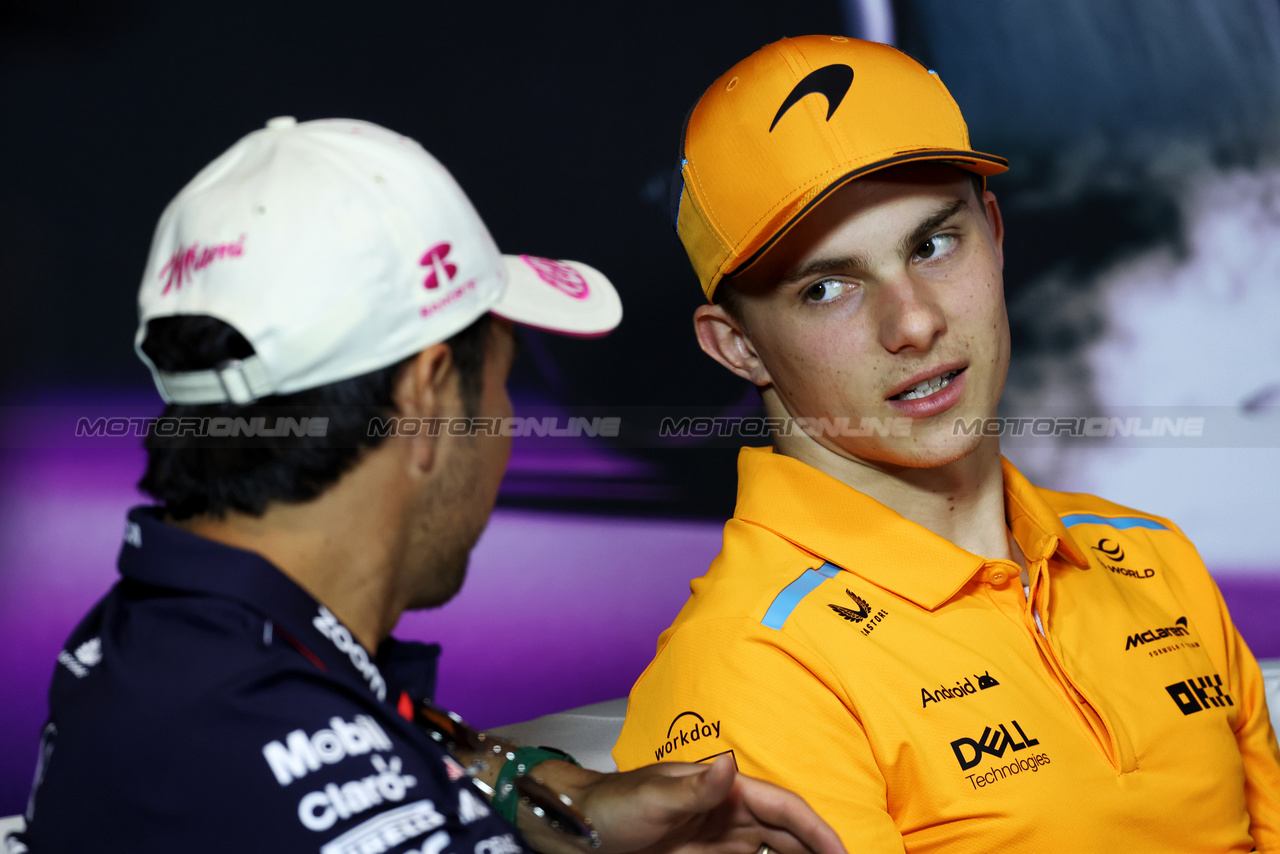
[(522, 761)]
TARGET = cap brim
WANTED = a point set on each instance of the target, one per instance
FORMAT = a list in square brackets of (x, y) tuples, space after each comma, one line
[(971, 161), (566, 297)]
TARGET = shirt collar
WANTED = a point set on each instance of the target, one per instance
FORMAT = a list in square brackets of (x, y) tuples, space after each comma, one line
[(836, 523), (164, 555)]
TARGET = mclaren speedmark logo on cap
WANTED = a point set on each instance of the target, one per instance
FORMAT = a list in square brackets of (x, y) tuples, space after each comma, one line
[(831, 81)]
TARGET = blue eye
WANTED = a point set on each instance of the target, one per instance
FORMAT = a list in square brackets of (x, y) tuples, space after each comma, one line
[(825, 290)]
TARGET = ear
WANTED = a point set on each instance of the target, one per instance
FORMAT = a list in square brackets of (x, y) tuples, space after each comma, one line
[(723, 337), (996, 222), (425, 389)]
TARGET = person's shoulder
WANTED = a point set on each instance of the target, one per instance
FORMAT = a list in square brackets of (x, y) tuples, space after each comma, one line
[(1081, 508), (172, 649), (201, 712), (1130, 542), (754, 565)]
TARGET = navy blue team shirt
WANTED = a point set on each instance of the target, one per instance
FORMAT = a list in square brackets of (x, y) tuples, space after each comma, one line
[(209, 703)]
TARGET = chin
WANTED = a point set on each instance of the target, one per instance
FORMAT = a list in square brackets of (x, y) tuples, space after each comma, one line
[(442, 582), (923, 455)]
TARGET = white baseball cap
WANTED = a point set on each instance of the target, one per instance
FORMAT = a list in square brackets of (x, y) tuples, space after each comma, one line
[(337, 247)]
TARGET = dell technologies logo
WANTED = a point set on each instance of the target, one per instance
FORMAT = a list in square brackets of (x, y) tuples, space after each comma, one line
[(995, 743)]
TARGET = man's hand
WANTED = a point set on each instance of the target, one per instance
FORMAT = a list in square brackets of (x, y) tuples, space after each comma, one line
[(680, 808)]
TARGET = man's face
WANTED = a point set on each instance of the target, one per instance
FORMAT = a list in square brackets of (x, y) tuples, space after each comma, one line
[(462, 496), (886, 302)]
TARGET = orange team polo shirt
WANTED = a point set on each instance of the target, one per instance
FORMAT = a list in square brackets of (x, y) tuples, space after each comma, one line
[(902, 686)]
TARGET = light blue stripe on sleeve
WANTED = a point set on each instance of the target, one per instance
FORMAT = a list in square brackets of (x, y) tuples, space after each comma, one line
[(1119, 523), (791, 595)]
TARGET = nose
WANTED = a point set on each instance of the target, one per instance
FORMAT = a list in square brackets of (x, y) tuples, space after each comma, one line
[(910, 315)]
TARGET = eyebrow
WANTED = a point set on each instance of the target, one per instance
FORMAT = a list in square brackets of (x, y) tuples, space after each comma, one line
[(857, 262)]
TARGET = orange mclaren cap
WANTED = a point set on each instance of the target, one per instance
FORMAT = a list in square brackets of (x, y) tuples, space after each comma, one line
[(791, 123)]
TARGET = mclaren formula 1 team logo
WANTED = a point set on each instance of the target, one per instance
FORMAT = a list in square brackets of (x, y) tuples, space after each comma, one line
[(1162, 640)]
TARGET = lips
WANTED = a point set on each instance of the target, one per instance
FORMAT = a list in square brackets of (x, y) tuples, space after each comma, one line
[(927, 387)]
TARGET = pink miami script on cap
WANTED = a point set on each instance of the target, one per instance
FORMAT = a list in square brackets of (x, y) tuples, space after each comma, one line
[(183, 263)]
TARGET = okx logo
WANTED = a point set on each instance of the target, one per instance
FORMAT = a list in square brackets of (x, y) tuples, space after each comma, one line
[(442, 270), (1199, 693), (994, 742)]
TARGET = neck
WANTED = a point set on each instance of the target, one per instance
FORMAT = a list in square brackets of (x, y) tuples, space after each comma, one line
[(961, 501), (342, 547)]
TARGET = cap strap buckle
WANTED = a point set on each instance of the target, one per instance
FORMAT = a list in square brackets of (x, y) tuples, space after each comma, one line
[(235, 382)]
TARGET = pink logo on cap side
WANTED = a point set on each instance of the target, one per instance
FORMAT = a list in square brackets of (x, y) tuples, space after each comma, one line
[(442, 271), (449, 298), (559, 275), (188, 259)]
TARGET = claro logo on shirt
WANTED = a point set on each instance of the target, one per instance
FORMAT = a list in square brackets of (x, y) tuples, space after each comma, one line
[(686, 728), (322, 809)]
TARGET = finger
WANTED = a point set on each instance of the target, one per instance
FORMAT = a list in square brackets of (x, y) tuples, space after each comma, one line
[(789, 817), (778, 841), (697, 789)]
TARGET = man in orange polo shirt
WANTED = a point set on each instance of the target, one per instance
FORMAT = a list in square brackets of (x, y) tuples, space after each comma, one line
[(935, 653)]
